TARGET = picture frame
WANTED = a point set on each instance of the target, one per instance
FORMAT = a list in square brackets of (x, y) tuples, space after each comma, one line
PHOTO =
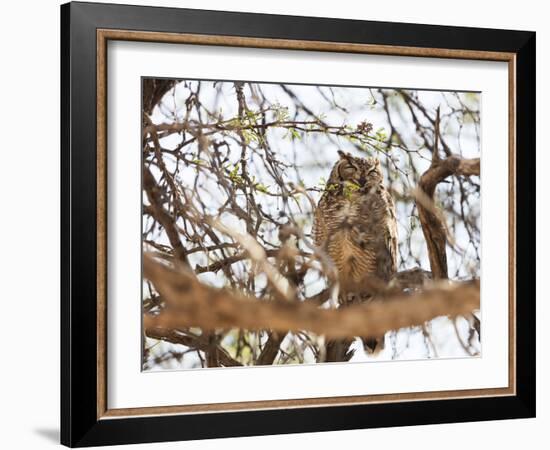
[(86, 29)]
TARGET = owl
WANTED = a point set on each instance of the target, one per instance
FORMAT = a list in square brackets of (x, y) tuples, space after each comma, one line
[(355, 225)]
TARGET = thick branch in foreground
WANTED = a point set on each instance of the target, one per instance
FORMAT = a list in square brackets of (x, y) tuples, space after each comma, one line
[(191, 303)]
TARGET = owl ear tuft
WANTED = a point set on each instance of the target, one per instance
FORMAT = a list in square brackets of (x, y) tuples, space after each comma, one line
[(342, 154), (374, 162)]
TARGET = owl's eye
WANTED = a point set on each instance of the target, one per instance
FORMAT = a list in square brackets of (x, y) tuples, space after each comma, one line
[(346, 170)]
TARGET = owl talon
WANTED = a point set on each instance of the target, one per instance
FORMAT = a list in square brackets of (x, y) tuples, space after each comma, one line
[(373, 346)]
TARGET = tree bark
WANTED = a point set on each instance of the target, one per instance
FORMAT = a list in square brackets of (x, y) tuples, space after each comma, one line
[(433, 223), (191, 303)]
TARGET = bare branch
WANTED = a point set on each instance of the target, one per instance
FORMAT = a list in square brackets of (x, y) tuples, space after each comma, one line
[(433, 225), (196, 342), (161, 215)]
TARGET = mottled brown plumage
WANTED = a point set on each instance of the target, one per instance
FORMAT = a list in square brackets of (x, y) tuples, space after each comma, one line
[(355, 225)]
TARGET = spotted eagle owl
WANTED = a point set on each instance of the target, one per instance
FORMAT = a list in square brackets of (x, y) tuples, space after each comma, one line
[(355, 224)]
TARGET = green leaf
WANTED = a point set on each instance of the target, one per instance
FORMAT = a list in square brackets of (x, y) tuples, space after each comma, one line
[(262, 188), (294, 133), (381, 135), (349, 188)]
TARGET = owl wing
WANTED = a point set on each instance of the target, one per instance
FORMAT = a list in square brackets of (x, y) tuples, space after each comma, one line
[(390, 233), (386, 235), (319, 229)]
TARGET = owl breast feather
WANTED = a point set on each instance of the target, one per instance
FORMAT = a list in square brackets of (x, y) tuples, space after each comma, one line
[(348, 244)]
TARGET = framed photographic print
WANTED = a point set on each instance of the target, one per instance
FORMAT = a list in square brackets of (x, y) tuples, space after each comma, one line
[(277, 224)]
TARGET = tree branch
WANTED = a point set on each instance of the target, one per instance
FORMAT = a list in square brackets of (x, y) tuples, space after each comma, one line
[(271, 348), (161, 215), (190, 303), (153, 91), (193, 342), (433, 226)]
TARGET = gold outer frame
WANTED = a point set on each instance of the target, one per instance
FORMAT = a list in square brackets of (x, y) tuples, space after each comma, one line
[(104, 35)]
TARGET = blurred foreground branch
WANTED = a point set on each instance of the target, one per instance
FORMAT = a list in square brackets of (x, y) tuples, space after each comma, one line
[(191, 303)]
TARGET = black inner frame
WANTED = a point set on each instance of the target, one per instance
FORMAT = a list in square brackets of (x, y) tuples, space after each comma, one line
[(79, 423)]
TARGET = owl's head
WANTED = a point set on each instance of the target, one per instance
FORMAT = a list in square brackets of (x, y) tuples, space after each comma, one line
[(360, 171)]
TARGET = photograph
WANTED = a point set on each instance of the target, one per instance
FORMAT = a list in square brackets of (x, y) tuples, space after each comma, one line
[(308, 224)]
